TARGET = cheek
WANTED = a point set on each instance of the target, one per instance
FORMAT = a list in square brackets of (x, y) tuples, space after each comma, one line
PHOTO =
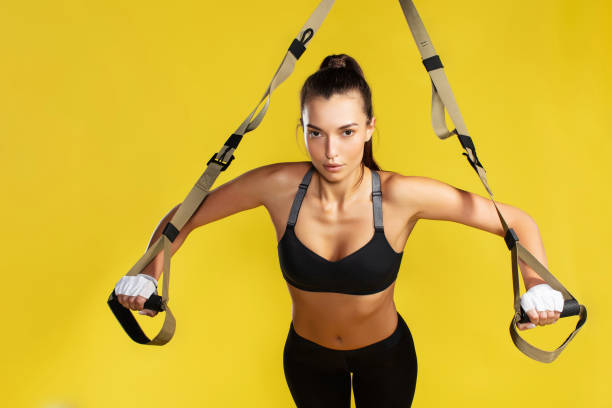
[(315, 146), (356, 148)]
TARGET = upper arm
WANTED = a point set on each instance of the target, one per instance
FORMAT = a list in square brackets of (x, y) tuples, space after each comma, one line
[(435, 200), (247, 191)]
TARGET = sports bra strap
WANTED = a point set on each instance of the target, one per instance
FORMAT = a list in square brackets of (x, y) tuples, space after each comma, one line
[(376, 200), (297, 202)]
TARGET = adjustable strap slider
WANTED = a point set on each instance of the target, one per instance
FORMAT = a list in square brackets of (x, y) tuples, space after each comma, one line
[(170, 231), (377, 193), (432, 63), (303, 186), (219, 162), (511, 238)]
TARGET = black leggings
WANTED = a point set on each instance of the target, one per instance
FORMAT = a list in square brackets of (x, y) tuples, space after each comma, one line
[(384, 373)]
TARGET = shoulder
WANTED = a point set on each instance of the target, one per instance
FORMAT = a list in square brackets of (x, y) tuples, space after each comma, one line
[(412, 192), (262, 185), (395, 186), (279, 175), (272, 180)]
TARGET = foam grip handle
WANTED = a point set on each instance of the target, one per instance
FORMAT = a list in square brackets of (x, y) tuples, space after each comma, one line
[(571, 307), (154, 302)]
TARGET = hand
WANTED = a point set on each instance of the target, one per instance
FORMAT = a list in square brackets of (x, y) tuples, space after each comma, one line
[(542, 304), (133, 291)]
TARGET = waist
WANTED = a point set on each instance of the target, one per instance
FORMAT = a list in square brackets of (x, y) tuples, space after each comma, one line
[(345, 329)]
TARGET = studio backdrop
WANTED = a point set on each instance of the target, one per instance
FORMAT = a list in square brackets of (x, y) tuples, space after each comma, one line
[(110, 111)]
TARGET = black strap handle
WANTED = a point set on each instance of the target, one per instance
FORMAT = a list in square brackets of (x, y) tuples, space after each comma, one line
[(571, 307), (127, 319)]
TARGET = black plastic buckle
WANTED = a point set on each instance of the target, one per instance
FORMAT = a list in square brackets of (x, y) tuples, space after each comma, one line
[(170, 231), (432, 63), (298, 47), (219, 162), (511, 238), (466, 143)]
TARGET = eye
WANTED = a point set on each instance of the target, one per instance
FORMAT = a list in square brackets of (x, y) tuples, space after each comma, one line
[(349, 130), (310, 133)]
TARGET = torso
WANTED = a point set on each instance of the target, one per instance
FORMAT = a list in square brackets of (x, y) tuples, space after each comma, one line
[(338, 320)]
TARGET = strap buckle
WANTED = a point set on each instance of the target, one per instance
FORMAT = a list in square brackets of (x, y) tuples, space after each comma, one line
[(219, 162), (467, 143), (511, 238)]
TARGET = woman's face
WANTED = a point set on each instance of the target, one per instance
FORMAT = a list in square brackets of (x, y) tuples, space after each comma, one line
[(335, 131)]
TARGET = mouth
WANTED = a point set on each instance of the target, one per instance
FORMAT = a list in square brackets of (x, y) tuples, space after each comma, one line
[(332, 166)]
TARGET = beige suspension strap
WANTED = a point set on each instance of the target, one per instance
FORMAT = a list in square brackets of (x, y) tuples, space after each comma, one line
[(442, 97), (217, 163)]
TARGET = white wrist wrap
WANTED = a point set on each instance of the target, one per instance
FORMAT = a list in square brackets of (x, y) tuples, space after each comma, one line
[(541, 298), (139, 285)]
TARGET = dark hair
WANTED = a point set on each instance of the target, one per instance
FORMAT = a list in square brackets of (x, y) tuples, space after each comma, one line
[(338, 74)]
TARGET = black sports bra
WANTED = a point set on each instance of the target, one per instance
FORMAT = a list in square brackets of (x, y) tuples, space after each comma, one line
[(370, 269)]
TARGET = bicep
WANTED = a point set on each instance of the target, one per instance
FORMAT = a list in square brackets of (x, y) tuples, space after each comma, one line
[(435, 200), (242, 193)]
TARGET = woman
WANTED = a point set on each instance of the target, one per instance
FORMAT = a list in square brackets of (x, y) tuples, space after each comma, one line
[(339, 259)]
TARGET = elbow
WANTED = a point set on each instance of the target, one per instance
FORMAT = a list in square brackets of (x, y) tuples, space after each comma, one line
[(522, 221), (516, 219)]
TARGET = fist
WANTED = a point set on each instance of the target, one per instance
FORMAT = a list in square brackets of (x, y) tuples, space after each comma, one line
[(542, 304), (133, 291)]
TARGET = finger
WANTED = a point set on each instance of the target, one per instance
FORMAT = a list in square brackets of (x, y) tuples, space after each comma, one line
[(121, 300), (148, 312), (527, 302), (137, 302), (543, 317), (133, 302), (140, 301), (534, 317), (525, 326), (551, 316)]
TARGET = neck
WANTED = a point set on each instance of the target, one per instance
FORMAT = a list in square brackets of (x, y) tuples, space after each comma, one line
[(339, 193)]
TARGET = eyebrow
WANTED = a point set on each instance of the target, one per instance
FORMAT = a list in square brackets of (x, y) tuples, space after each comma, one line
[(341, 127)]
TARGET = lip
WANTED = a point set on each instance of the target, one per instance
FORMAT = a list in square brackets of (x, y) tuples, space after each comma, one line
[(334, 167)]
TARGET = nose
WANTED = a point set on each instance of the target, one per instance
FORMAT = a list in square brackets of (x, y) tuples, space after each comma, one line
[(331, 148)]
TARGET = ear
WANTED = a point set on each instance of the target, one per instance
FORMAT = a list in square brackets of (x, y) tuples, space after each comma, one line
[(370, 128)]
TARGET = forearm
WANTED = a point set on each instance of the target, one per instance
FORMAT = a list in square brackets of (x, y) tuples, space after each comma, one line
[(154, 268), (529, 236)]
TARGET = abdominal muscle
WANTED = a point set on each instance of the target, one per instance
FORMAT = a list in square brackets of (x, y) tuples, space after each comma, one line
[(341, 321)]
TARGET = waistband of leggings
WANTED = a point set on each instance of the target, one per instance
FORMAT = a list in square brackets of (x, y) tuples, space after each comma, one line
[(389, 341)]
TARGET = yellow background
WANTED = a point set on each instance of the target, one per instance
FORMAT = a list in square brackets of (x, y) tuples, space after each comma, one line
[(109, 111)]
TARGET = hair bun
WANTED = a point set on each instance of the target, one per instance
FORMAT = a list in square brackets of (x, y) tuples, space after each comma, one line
[(335, 61), (341, 61)]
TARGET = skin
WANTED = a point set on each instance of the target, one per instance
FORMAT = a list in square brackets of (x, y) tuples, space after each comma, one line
[(336, 220)]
